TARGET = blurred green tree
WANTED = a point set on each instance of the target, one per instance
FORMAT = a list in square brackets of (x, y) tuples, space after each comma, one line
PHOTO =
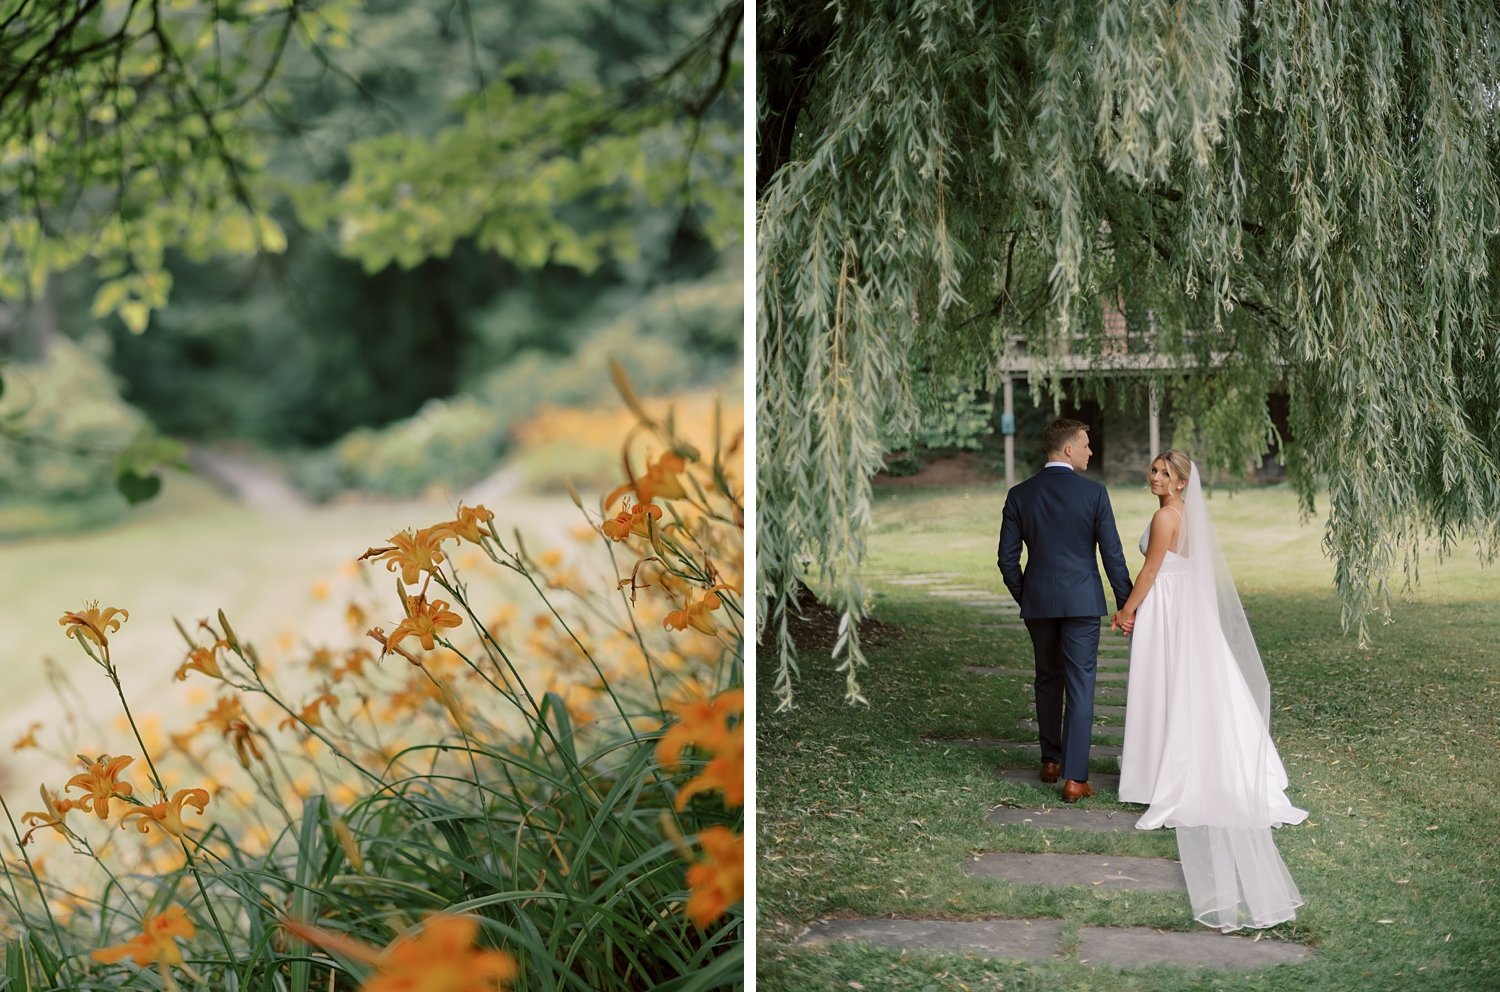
[(321, 202)]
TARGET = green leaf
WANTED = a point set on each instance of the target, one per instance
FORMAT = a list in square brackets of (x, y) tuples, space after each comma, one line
[(136, 316), (110, 296), (137, 488)]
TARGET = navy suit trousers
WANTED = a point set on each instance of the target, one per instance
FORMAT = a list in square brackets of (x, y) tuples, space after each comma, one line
[(1066, 650)]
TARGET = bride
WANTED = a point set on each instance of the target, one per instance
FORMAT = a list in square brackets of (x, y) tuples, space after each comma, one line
[(1198, 746)]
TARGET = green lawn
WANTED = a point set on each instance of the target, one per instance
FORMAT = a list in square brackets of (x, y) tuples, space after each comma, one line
[(1392, 750), (187, 555)]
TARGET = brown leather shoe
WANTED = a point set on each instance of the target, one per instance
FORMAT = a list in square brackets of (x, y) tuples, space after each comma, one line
[(1051, 771), (1074, 791)]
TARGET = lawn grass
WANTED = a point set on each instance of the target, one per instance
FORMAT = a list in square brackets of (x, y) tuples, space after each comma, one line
[(1391, 749)]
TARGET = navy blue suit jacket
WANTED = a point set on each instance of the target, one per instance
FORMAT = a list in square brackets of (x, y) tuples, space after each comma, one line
[(1061, 517)]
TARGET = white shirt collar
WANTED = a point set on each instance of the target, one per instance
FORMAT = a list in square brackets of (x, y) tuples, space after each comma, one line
[(1058, 465)]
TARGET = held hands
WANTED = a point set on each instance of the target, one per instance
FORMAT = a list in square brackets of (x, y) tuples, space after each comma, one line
[(1123, 621)]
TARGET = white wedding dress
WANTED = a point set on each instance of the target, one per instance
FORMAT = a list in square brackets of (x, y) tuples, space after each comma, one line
[(1198, 748)]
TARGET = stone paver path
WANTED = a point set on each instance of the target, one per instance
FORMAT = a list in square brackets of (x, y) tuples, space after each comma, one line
[(1114, 732), (975, 669), (1143, 947), (1096, 871), (1025, 940), (1041, 939), (1028, 776), (1029, 746), (1093, 821), (1104, 675)]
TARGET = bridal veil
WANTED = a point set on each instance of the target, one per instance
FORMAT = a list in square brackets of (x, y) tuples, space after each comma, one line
[(1235, 876)]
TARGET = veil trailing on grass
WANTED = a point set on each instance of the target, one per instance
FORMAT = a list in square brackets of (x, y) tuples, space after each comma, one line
[(1235, 876)]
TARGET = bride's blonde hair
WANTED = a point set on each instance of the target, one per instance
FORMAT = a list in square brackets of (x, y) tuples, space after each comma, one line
[(1178, 463)]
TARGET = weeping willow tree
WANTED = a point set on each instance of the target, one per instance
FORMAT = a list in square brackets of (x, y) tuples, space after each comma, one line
[(1303, 195)]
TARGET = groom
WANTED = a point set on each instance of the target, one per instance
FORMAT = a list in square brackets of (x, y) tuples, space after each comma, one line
[(1062, 517)]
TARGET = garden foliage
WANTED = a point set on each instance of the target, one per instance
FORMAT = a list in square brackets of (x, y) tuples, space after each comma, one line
[(543, 793)]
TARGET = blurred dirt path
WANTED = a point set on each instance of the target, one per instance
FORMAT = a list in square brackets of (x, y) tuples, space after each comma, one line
[(247, 479)]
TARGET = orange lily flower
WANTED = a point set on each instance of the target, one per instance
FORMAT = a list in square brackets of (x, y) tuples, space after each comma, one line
[(695, 615), (312, 713), (182, 739), (244, 743), (717, 727), (355, 660), (717, 881), (54, 811), (27, 739), (442, 958), (724, 772), (157, 942), (418, 690), (704, 722), (632, 520), (94, 623), (661, 477), (205, 660), (321, 661), (413, 553), (660, 480), (470, 525), (423, 621), (100, 783), (168, 814), (224, 714)]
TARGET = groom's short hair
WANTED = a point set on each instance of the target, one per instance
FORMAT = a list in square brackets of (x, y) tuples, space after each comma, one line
[(1060, 432)]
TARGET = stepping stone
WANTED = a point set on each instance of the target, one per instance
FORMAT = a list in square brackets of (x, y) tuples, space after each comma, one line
[(1022, 940), (1094, 821), (1027, 776), (1097, 871), (982, 670), (1104, 675), (1114, 733), (1142, 947), (1104, 709), (1031, 746)]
